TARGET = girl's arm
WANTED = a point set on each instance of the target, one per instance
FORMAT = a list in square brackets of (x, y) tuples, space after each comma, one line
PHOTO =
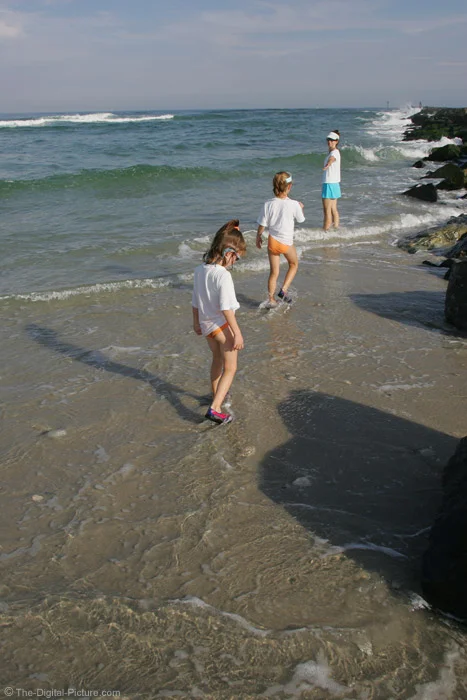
[(232, 321), (196, 326), (330, 161), (259, 236)]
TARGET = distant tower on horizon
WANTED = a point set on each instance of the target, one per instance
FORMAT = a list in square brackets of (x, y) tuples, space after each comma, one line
[(387, 104)]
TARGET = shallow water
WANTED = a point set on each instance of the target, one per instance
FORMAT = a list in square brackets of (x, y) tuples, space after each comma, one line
[(108, 200), (147, 552)]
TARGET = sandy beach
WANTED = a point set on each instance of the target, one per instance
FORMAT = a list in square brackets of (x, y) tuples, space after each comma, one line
[(150, 553)]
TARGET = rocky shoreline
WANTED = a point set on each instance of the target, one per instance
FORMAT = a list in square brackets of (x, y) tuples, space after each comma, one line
[(432, 124), (450, 239), (445, 561)]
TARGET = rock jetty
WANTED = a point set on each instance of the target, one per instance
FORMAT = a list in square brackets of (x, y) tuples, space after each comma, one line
[(431, 124), (449, 240)]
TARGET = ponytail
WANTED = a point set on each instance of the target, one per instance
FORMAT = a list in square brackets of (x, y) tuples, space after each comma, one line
[(228, 236), (280, 182)]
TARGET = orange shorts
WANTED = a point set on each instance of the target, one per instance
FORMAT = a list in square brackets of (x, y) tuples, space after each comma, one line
[(218, 330), (275, 247)]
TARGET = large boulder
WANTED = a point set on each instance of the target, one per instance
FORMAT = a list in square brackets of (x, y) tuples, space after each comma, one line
[(455, 306), (437, 237), (449, 185), (427, 193), (444, 569), (448, 152), (454, 177), (459, 250)]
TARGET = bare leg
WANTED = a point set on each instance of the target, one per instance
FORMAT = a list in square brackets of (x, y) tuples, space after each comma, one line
[(292, 259), (335, 213), (327, 211), (217, 364), (222, 344), (274, 262)]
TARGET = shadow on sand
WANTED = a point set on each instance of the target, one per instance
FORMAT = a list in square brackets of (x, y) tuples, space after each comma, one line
[(418, 308), (94, 358), (364, 480)]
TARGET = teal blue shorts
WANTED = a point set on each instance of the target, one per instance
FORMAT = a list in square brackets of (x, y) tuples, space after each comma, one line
[(331, 190)]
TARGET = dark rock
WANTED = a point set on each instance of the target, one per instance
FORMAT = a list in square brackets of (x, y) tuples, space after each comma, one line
[(438, 237), (419, 164), (444, 568), (448, 185), (443, 263), (459, 250), (425, 192), (432, 123), (448, 152), (453, 174), (455, 306)]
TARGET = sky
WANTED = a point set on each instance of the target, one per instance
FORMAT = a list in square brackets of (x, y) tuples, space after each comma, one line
[(61, 55)]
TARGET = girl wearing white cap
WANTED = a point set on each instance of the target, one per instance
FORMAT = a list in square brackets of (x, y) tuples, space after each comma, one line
[(331, 190)]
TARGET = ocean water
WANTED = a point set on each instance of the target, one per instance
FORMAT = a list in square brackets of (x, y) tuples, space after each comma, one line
[(93, 199), (146, 552)]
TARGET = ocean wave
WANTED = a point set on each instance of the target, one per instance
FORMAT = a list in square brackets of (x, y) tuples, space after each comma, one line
[(392, 123), (136, 175), (307, 237), (93, 118), (359, 155), (397, 226), (402, 150), (391, 126), (89, 290), (354, 155)]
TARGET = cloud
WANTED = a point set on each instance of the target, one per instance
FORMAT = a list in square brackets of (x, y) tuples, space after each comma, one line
[(322, 16), (10, 25), (237, 53), (453, 64), (430, 25)]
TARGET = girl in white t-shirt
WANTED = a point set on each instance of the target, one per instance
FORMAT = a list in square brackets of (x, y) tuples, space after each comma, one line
[(214, 304), (278, 215), (331, 190)]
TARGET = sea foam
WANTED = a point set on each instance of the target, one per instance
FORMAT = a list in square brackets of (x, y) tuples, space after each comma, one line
[(62, 294), (94, 118)]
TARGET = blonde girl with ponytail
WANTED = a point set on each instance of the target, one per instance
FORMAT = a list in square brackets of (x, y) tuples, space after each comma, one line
[(278, 216)]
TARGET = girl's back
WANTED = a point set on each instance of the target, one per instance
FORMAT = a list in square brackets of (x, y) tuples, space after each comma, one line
[(279, 216)]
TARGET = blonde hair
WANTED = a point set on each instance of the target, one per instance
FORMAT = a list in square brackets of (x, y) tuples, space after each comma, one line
[(281, 182), (228, 236)]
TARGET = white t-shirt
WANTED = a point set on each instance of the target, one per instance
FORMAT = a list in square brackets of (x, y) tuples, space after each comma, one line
[(333, 173), (279, 216), (213, 292)]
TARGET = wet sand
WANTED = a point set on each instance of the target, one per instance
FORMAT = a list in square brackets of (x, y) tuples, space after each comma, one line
[(148, 552)]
